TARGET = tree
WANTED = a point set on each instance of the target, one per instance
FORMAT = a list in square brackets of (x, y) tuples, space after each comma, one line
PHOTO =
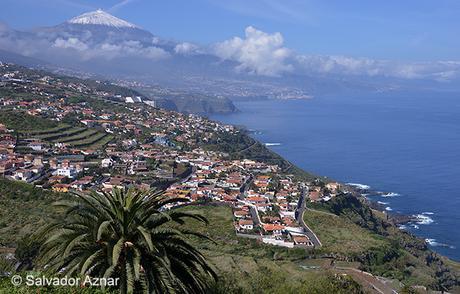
[(127, 234)]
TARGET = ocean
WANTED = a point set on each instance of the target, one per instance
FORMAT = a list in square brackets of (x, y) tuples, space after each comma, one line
[(406, 145)]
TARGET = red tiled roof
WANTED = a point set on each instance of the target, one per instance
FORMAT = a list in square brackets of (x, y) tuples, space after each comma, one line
[(273, 227)]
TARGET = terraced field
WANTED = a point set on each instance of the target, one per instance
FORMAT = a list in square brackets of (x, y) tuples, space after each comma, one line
[(76, 137), (53, 136), (59, 128), (88, 141)]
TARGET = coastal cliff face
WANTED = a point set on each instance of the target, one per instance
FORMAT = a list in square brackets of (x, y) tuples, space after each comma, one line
[(186, 101), (201, 105)]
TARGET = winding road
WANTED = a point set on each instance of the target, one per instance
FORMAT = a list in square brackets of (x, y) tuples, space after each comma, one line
[(301, 208)]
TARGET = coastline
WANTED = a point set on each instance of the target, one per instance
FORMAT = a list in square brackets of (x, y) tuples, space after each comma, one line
[(361, 191), (315, 136), (404, 222), (397, 218)]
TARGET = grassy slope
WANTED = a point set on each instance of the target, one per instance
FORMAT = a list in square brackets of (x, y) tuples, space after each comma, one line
[(20, 121), (23, 209), (360, 234), (339, 235), (238, 258)]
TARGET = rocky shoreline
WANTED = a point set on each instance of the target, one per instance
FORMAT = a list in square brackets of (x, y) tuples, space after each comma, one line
[(398, 219)]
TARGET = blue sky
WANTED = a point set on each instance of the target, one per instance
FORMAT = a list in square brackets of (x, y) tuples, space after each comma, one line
[(406, 30)]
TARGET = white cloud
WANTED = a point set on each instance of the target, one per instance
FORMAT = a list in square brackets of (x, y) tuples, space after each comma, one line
[(73, 43), (259, 52), (339, 65), (110, 50), (186, 49), (264, 54), (437, 70), (125, 49)]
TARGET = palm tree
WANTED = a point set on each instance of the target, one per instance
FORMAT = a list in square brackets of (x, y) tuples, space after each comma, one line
[(129, 235)]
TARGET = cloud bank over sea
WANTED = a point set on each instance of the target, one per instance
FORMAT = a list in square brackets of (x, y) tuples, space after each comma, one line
[(264, 53)]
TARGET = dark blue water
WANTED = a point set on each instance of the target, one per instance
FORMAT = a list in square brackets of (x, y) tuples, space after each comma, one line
[(408, 144)]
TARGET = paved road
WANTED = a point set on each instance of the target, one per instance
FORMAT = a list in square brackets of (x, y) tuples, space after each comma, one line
[(245, 187), (192, 172), (253, 209), (255, 215), (301, 208), (247, 148)]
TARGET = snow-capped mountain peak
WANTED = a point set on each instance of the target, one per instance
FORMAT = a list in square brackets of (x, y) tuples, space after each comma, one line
[(100, 17)]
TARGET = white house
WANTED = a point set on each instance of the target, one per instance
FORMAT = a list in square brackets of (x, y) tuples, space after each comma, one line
[(136, 99), (36, 146), (69, 172), (107, 162), (150, 102)]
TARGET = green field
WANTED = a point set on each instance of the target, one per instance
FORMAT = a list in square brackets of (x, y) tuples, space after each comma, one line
[(60, 128), (55, 133), (102, 142), (78, 136), (88, 142), (74, 136), (352, 245), (340, 235)]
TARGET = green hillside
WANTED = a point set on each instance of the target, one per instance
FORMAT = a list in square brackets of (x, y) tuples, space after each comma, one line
[(361, 234), (24, 208), (21, 121)]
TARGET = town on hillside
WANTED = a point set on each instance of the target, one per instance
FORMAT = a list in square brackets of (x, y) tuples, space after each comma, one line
[(64, 135)]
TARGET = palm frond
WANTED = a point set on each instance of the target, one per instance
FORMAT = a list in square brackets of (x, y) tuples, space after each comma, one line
[(127, 234)]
